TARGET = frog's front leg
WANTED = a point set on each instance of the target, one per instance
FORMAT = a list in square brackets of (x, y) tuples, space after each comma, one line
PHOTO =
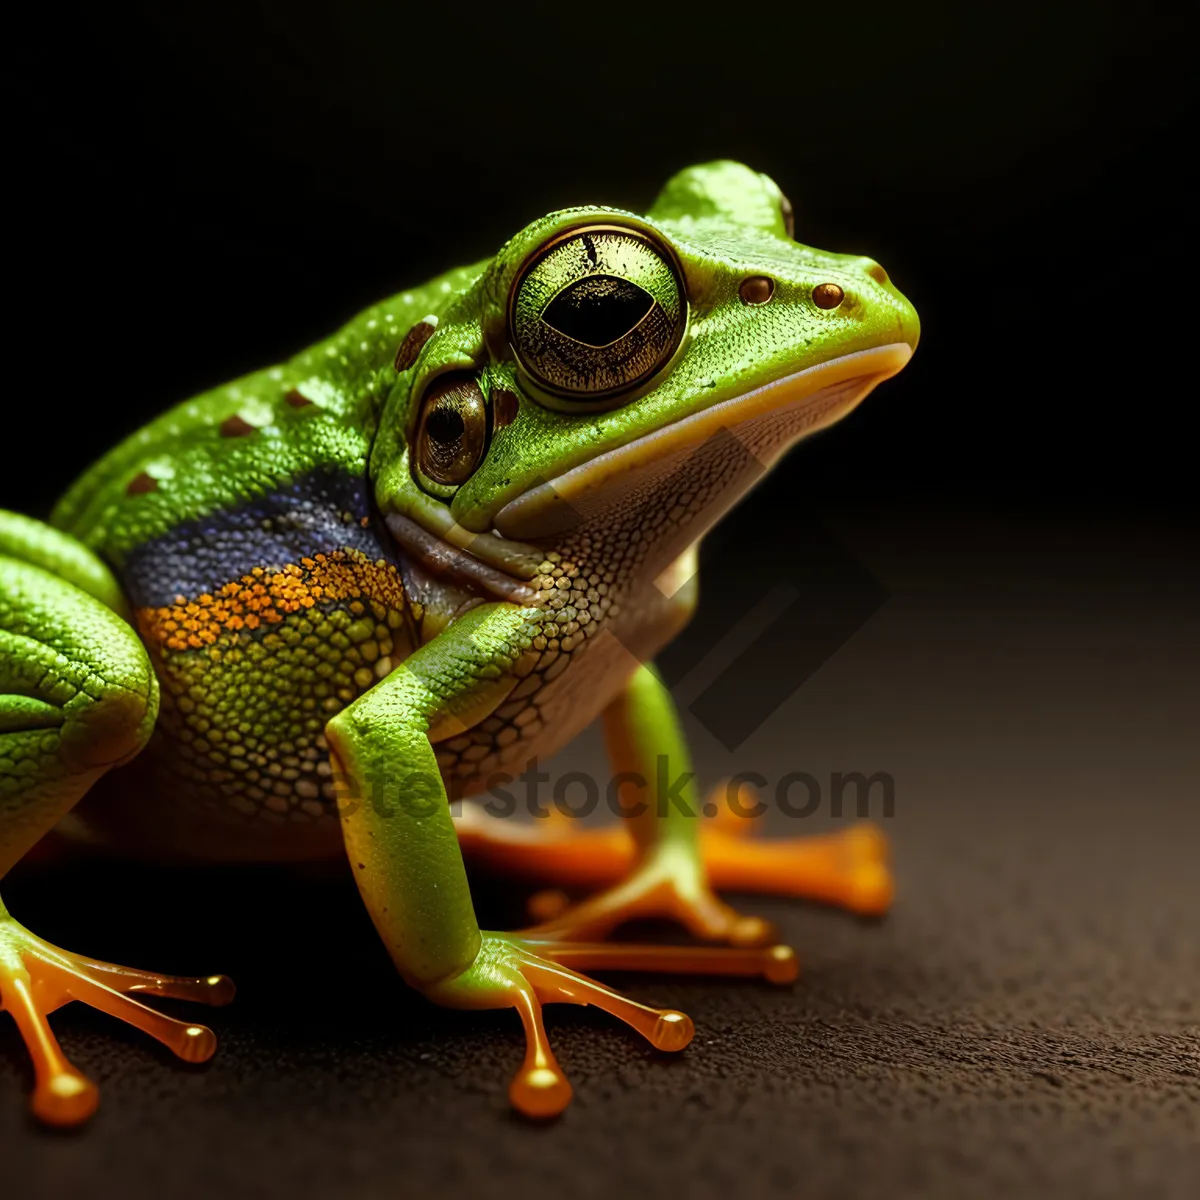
[(663, 861), (77, 696), (400, 837)]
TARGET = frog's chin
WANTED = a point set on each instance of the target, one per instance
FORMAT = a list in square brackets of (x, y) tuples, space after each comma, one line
[(705, 461)]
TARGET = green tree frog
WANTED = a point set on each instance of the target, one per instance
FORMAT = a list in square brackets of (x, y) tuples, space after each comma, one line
[(293, 616)]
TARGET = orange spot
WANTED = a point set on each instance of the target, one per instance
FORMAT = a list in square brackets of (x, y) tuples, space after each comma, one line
[(260, 597)]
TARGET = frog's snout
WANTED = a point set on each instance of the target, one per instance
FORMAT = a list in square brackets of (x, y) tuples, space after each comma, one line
[(874, 270), (907, 322)]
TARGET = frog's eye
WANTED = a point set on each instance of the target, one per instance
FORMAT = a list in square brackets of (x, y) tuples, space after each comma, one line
[(451, 434), (596, 313)]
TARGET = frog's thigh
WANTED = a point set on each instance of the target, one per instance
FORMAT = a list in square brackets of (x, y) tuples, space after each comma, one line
[(77, 696)]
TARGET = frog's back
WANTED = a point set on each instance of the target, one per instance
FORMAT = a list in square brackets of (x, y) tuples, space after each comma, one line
[(246, 438), (240, 527)]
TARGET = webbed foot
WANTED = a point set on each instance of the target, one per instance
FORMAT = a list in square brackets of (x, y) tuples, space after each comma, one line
[(36, 978), (512, 971), (847, 868)]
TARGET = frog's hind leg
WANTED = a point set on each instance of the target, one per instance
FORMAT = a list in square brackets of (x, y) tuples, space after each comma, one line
[(77, 697), (847, 868), (666, 862)]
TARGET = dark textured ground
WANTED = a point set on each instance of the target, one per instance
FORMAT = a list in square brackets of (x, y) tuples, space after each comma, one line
[(1027, 1022)]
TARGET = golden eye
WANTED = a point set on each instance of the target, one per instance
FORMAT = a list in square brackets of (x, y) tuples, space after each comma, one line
[(451, 431), (596, 313)]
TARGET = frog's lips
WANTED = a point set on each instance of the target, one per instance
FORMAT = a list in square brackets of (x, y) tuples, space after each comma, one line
[(755, 427)]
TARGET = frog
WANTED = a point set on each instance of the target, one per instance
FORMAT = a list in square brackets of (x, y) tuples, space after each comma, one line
[(301, 616)]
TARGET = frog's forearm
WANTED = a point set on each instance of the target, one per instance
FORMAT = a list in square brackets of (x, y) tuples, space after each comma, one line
[(396, 821), (400, 838)]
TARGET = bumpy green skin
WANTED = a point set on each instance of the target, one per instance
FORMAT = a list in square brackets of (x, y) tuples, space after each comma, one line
[(77, 693), (276, 706), (199, 471), (724, 224)]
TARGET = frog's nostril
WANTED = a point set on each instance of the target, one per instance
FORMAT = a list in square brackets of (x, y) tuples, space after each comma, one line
[(757, 289), (827, 295)]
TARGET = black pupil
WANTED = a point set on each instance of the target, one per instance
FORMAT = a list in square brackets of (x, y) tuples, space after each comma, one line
[(445, 425), (598, 309)]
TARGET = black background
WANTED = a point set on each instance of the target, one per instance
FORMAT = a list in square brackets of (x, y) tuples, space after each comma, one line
[(194, 190), (197, 189)]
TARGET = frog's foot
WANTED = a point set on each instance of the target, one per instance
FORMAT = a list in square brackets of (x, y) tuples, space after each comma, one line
[(847, 868), (36, 978), (669, 882), (512, 971)]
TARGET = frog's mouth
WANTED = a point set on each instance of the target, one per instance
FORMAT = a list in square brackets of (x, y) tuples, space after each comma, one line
[(705, 461), (739, 436)]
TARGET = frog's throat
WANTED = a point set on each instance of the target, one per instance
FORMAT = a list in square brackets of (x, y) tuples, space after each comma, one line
[(766, 421)]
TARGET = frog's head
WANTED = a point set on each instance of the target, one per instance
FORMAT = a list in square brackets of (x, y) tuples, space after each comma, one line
[(607, 372)]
